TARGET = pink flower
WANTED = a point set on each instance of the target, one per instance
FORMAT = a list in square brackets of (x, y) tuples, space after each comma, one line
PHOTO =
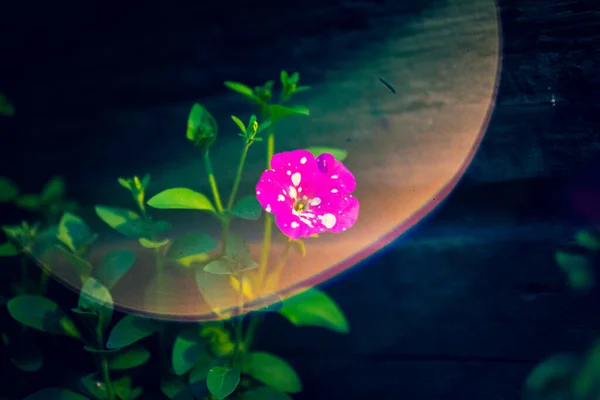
[(308, 195)]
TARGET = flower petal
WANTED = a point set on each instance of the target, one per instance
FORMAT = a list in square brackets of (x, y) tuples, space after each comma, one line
[(295, 227), (336, 212), (336, 173), (271, 193)]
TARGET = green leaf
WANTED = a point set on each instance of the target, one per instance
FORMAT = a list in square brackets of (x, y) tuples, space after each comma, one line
[(314, 308), (191, 244), (146, 181), (554, 372), (80, 265), (247, 208), (242, 89), (200, 370), (29, 202), (586, 381), (129, 223), (129, 358), (125, 183), (99, 351), (187, 350), (338, 154), (266, 393), (176, 389), (96, 297), (587, 240), (272, 371), (152, 244), (55, 394), (7, 249), (73, 232), (278, 112), (8, 190), (53, 191), (93, 386), (201, 127), (6, 108), (43, 314), (26, 353), (222, 381), (114, 265), (239, 123), (219, 267), (130, 329), (181, 198), (216, 290), (299, 246), (578, 269)]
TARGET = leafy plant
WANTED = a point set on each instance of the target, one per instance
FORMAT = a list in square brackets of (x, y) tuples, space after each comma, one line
[(212, 359)]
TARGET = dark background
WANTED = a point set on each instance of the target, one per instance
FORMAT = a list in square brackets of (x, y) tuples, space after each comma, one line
[(463, 306)]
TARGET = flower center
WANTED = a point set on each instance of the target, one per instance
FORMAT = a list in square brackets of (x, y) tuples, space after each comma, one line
[(301, 204)]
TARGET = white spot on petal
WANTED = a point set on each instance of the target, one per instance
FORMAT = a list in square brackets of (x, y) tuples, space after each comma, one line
[(329, 221), (315, 202), (334, 190), (296, 178), (268, 208), (257, 192), (280, 198), (303, 160), (299, 189), (334, 176), (289, 172), (295, 224), (293, 193)]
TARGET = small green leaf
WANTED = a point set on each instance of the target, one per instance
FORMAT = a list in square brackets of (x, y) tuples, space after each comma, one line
[(129, 358), (80, 265), (125, 183), (239, 123), (176, 389), (130, 329), (93, 386), (43, 314), (278, 112), (266, 393), (578, 269), (99, 351), (242, 89), (216, 290), (26, 353), (8, 190), (129, 223), (586, 381), (338, 154), (6, 108), (187, 350), (314, 308), (200, 370), (7, 249), (222, 381), (299, 246), (146, 181), (53, 191), (152, 244), (555, 372), (191, 244), (247, 208), (96, 297), (29, 202), (587, 240), (181, 198), (272, 371), (73, 232), (202, 127), (114, 265), (219, 267), (55, 394)]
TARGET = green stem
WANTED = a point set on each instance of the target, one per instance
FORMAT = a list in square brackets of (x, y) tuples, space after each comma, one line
[(212, 181), (104, 360), (160, 272), (264, 256), (44, 278), (24, 276), (251, 331), (239, 322)]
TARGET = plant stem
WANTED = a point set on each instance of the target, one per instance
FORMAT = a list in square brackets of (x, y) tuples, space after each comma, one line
[(264, 256), (213, 181), (160, 272), (44, 278), (104, 360), (251, 331), (239, 322), (231, 200)]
